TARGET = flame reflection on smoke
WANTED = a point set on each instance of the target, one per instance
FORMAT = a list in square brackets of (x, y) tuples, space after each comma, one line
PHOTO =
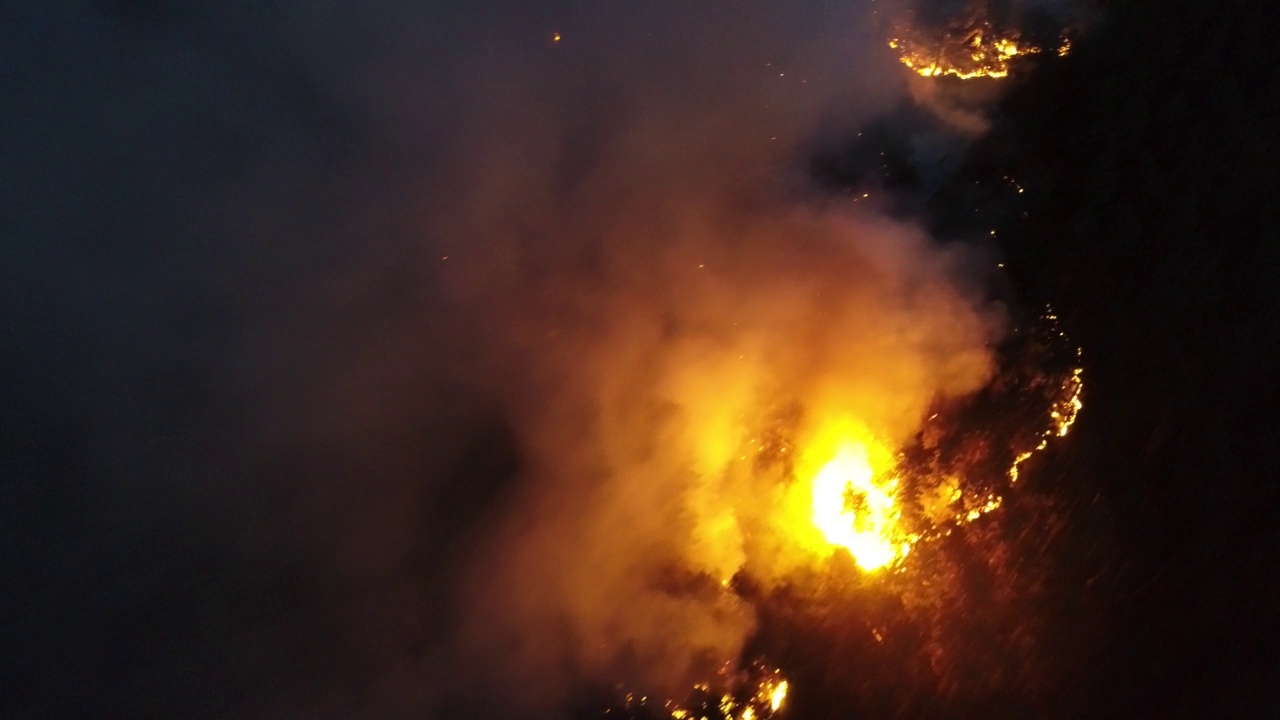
[(659, 349)]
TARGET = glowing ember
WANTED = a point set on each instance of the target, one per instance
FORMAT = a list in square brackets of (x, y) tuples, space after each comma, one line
[(764, 701), (1063, 415)]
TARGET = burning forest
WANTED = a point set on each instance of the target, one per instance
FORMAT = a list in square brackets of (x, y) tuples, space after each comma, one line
[(656, 361), (850, 507), (979, 39), (867, 518), (966, 52)]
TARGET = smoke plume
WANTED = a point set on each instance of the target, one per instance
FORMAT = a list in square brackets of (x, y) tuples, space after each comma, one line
[(448, 329)]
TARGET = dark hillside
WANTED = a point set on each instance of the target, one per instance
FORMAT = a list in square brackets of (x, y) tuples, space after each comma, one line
[(1150, 159)]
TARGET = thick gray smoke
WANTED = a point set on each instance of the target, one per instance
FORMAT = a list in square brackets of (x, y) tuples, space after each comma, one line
[(393, 360)]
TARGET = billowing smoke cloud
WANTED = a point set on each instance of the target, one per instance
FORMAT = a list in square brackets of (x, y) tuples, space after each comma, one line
[(447, 328), (655, 290), (647, 377)]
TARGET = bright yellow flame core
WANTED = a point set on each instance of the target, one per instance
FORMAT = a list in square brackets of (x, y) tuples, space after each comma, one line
[(855, 508), (778, 696), (846, 496)]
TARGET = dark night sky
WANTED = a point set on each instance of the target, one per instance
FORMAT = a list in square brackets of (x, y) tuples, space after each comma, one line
[(256, 431)]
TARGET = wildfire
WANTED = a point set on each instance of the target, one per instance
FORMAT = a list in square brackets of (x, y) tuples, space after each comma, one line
[(777, 696), (969, 51), (855, 511), (857, 500), (760, 698), (843, 488), (1062, 414)]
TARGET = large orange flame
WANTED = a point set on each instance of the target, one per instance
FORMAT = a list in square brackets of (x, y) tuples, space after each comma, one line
[(856, 511)]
